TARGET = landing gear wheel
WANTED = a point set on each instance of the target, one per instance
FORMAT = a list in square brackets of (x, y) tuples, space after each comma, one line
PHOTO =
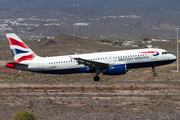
[(96, 78), (154, 74)]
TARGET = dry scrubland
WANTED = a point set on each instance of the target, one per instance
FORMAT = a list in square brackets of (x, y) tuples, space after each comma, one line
[(135, 95), (53, 97)]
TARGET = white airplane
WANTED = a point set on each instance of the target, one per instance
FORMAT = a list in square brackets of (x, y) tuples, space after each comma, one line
[(107, 63)]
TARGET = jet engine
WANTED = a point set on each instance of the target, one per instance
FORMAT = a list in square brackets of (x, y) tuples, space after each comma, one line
[(115, 70), (86, 70)]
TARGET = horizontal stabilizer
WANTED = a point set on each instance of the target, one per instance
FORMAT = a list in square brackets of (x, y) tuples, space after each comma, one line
[(15, 65)]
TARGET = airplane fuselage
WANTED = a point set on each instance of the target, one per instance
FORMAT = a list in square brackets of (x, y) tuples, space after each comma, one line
[(132, 58)]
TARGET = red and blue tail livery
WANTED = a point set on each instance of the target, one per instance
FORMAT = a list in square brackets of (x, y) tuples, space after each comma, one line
[(107, 63), (20, 51)]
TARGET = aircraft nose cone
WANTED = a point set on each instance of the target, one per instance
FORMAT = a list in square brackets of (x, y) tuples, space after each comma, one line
[(174, 57)]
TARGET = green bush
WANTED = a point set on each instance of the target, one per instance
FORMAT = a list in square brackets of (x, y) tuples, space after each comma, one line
[(24, 115), (131, 87), (108, 41)]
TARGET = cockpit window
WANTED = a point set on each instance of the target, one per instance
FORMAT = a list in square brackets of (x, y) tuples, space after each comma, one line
[(163, 53)]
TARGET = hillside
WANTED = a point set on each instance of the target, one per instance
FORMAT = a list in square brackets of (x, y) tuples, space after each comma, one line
[(157, 18), (55, 3), (64, 44), (69, 39)]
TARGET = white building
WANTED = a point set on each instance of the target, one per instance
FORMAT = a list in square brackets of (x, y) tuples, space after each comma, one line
[(81, 24)]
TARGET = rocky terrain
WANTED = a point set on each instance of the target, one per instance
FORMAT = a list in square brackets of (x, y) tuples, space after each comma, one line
[(135, 95)]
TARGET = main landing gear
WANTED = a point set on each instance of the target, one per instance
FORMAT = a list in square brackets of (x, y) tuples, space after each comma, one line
[(97, 78), (154, 72)]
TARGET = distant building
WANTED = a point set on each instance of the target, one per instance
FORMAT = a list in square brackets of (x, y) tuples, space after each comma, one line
[(134, 46), (81, 24), (149, 41), (49, 38), (127, 43)]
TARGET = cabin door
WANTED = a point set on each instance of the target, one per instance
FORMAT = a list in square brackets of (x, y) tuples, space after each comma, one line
[(40, 65)]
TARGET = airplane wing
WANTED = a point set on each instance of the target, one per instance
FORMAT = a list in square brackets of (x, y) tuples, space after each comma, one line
[(90, 63)]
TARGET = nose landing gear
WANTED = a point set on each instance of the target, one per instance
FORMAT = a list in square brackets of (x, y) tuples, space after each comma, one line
[(154, 72)]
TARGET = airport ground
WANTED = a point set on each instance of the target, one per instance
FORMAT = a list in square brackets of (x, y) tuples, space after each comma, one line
[(135, 95)]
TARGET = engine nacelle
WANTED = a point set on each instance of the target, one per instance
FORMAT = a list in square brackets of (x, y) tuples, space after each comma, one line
[(115, 70), (86, 70)]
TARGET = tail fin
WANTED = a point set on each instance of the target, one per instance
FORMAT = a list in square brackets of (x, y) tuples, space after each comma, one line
[(21, 52)]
